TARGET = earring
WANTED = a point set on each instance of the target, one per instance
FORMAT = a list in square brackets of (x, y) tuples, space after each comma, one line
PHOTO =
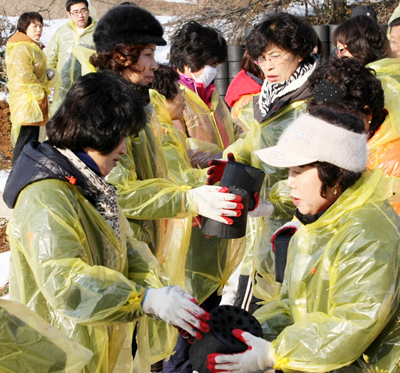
[(369, 122), (335, 192)]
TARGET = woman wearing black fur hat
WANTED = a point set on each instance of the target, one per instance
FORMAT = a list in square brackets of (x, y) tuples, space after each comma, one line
[(126, 38)]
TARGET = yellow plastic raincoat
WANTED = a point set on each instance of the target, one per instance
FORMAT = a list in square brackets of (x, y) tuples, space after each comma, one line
[(174, 145), (27, 82), (384, 146), (259, 256), (61, 57), (159, 213), (68, 265), (209, 130), (200, 265), (341, 287), (146, 195), (28, 343), (236, 113)]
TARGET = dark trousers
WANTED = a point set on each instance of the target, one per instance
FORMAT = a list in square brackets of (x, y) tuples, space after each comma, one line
[(179, 362), (27, 134)]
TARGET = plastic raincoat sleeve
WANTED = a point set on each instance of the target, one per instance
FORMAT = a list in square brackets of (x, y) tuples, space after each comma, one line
[(340, 288), (179, 168), (384, 146), (20, 68), (180, 171), (148, 199), (83, 55), (29, 343), (201, 152), (51, 51), (279, 196), (156, 338), (143, 268), (240, 115), (56, 250)]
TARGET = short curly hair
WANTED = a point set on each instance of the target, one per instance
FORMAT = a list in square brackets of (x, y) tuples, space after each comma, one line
[(363, 38), (164, 81), (195, 46), (362, 90), (284, 30), (123, 56)]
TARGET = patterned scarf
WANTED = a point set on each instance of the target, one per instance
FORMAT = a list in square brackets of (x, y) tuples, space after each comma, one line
[(104, 194), (270, 92)]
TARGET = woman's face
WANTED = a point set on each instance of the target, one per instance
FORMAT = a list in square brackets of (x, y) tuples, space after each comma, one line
[(177, 105), (146, 64), (342, 51), (34, 30), (305, 188), (106, 162), (277, 64)]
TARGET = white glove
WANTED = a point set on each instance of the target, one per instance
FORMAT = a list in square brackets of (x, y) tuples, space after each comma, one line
[(215, 202), (295, 224), (256, 358), (178, 308), (263, 208)]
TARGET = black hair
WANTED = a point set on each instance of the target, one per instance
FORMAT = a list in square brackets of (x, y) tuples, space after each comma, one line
[(195, 46), (26, 19), (99, 111), (361, 89), (329, 174), (69, 3), (363, 38), (318, 45), (164, 81), (395, 22), (284, 30)]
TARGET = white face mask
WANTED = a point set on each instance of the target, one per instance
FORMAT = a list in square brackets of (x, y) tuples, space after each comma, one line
[(207, 76)]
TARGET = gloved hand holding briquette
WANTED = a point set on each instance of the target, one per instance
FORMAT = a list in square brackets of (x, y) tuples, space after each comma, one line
[(257, 358), (178, 308), (216, 203), (217, 169)]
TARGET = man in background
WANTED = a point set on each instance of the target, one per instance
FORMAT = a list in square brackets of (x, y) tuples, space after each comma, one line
[(78, 31)]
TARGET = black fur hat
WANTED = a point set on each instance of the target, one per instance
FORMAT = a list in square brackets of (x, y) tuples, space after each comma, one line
[(126, 24)]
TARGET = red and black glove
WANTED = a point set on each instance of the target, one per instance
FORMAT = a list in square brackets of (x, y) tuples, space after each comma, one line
[(217, 169)]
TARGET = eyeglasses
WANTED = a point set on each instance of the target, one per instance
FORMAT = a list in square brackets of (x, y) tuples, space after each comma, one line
[(395, 43), (274, 58), (82, 11), (340, 51)]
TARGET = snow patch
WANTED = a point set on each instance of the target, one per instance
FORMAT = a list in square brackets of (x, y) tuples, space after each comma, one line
[(4, 268), (51, 26)]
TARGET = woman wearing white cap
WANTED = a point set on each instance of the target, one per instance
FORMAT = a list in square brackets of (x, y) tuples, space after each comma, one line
[(341, 284)]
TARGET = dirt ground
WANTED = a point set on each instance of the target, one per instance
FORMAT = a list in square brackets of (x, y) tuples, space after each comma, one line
[(5, 131), (5, 162), (4, 245)]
